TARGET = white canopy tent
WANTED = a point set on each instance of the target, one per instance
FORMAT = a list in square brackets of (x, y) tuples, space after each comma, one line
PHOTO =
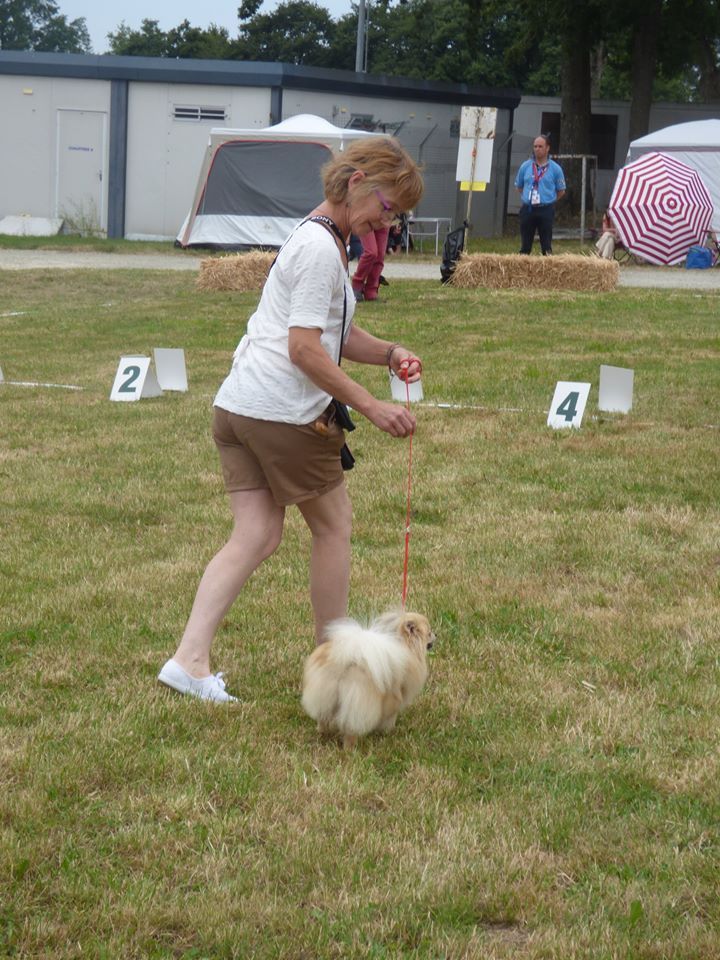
[(697, 144), (256, 185)]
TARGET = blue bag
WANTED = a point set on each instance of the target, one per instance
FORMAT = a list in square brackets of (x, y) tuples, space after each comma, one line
[(698, 258)]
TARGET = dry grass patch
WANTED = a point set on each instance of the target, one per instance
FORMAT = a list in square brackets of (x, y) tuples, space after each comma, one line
[(240, 272), (553, 793), (515, 272)]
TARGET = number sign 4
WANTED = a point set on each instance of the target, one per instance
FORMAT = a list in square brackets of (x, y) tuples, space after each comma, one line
[(134, 379), (568, 404)]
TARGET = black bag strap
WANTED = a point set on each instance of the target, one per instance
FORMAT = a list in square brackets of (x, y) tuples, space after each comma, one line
[(333, 228), (330, 225)]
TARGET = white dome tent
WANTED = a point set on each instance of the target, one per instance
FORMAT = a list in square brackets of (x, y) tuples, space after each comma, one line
[(697, 144)]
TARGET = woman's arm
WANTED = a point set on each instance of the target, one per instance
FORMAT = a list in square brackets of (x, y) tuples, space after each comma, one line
[(363, 347), (307, 353)]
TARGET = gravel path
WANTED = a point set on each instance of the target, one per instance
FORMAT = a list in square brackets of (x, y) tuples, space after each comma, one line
[(396, 268)]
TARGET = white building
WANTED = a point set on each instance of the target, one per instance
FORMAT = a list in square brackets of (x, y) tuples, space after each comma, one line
[(117, 142)]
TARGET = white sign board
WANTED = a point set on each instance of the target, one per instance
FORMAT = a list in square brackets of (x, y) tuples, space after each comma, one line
[(134, 379), (399, 390), (170, 368), (464, 171), (568, 404), (478, 122), (616, 389), (475, 148)]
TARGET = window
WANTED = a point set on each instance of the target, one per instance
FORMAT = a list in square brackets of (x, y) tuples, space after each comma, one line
[(362, 121), (603, 138), (199, 113)]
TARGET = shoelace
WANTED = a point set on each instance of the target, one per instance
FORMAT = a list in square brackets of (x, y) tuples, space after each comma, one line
[(219, 678)]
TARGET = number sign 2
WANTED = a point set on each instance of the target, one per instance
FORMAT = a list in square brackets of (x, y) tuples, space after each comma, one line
[(568, 404), (134, 379)]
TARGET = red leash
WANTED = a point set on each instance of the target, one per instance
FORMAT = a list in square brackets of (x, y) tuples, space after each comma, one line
[(404, 370)]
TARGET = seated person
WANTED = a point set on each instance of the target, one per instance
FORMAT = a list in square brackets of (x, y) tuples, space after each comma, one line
[(605, 246)]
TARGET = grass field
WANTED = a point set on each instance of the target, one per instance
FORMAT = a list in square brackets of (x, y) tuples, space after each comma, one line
[(74, 243), (554, 791)]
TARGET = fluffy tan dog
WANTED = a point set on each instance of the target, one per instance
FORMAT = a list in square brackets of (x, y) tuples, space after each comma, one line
[(361, 678)]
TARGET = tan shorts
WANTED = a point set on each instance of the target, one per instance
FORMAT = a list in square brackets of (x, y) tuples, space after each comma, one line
[(295, 463)]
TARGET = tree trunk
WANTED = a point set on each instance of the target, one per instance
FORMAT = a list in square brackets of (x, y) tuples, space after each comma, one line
[(709, 81), (575, 109), (644, 58), (598, 59)]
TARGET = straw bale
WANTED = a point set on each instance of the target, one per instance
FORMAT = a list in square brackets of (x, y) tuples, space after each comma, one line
[(516, 272), (239, 271)]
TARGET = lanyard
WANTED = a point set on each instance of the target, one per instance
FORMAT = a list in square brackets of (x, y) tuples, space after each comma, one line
[(539, 173)]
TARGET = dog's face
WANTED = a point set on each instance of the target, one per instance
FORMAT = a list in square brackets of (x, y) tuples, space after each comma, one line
[(415, 629)]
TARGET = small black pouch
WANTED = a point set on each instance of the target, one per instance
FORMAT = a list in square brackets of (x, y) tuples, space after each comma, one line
[(341, 415), (347, 460)]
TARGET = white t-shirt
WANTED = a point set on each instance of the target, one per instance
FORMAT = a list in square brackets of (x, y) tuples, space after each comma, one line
[(304, 289)]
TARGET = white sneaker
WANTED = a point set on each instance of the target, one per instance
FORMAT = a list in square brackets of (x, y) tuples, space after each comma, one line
[(207, 688)]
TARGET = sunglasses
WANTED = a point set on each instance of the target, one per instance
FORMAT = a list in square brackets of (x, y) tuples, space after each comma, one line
[(388, 212)]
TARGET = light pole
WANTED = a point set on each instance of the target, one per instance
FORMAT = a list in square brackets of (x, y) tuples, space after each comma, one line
[(360, 45)]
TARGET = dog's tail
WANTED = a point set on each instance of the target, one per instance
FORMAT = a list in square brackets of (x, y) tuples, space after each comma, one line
[(380, 654), (340, 696), (359, 703)]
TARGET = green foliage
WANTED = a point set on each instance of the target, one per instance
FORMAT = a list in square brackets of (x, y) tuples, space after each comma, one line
[(297, 31), (148, 41), (39, 25), (519, 44), (183, 41)]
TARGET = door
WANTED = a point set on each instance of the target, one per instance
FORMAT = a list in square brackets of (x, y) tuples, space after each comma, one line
[(80, 188)]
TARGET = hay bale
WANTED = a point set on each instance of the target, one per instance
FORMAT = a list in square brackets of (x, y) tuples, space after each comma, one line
[(516, 272), (239, 271)]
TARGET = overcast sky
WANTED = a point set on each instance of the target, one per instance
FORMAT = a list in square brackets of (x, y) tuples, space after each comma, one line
[(104, 16)]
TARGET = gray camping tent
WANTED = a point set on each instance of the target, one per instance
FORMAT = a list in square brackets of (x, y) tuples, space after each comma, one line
[(256, 185)]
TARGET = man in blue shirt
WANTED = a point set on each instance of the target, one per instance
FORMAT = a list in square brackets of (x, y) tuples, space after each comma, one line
[(541, 183)]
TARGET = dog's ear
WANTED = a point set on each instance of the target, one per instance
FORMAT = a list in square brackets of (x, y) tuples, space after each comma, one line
[(410, 626), (413, 626)]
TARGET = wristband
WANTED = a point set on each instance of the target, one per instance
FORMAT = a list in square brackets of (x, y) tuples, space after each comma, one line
[(388, 355)]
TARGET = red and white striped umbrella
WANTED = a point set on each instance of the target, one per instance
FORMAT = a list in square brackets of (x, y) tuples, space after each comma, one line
[(660, 207)]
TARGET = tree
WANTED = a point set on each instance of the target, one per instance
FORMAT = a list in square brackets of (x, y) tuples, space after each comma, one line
[(183, 41), (189, 42), (426, 39), (297, 31), (645, 33), (39, 25), (444, 40), (148, 41)]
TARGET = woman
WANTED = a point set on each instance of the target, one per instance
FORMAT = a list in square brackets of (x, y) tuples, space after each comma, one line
[(605, 245), (275, 434), (369, 270)]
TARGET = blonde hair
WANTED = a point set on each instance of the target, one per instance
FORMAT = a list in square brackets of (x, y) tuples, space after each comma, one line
[(385, 164)]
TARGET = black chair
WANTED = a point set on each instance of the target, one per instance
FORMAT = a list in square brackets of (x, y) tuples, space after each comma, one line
[(452, 248), (623, 255)]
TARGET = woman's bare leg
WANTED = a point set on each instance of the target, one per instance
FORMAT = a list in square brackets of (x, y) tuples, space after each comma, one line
[(329, 518), (256, 534)]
